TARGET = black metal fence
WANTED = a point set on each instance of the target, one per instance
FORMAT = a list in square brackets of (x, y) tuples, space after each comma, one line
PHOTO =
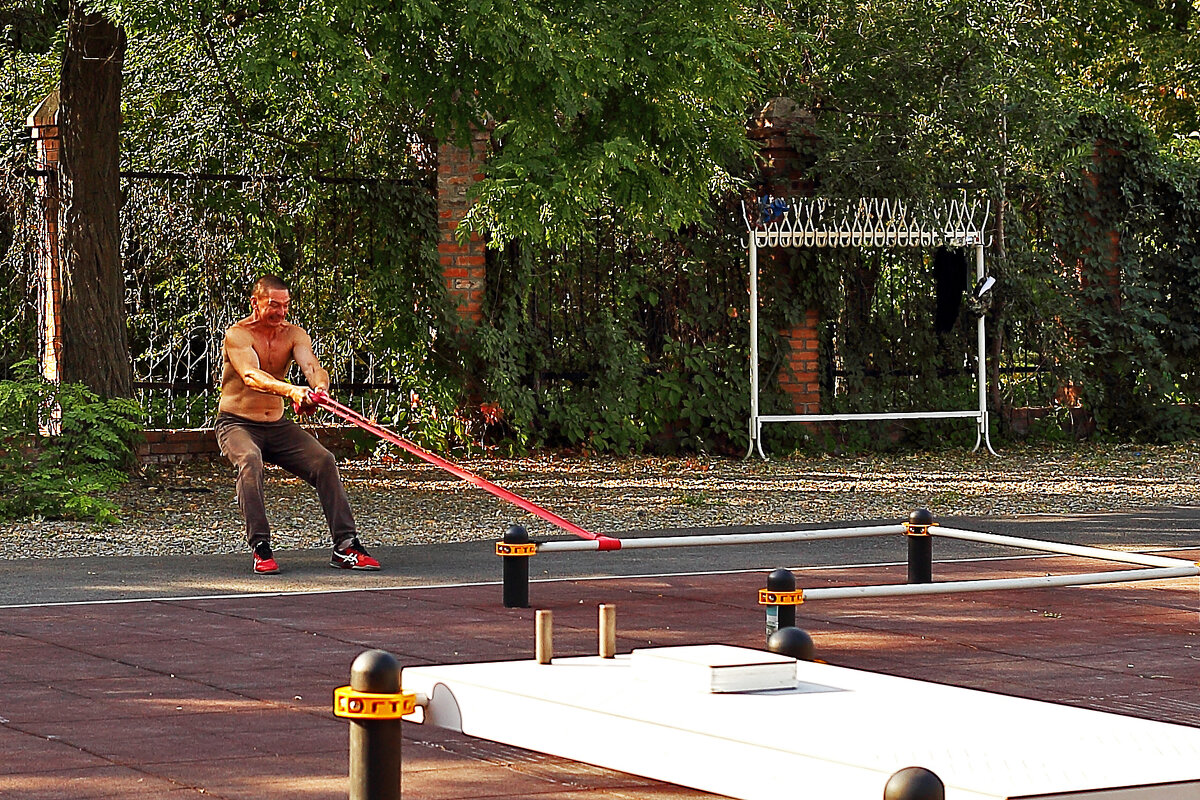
[(193, 245), (359, 256)]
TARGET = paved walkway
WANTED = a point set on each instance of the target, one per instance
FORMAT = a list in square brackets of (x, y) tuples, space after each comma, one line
[(229, 697)]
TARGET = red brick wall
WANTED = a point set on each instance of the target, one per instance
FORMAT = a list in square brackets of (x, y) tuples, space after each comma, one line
[(463, 264), (200, 444), (800, 376), (177, 446)]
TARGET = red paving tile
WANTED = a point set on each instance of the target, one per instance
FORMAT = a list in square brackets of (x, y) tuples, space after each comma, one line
[(255, 777), (28, 753), (229, 698), (112, 781)]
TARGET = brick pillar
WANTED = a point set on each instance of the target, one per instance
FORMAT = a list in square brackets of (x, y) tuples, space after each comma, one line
[(463, 264), (1110, 257), (43, 128), (801, 376), (782, 174)]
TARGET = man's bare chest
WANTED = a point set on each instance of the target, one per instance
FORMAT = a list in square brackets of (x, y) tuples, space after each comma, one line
[(274, 355)]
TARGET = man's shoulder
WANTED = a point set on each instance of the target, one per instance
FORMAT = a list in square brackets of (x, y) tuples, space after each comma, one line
[(238, 332), (296, 334)]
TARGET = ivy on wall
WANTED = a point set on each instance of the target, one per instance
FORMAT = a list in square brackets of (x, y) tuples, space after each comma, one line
[(627, 344), (1120, 233)]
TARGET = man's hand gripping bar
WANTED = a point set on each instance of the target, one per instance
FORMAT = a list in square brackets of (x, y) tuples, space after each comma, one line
[(350, 415)]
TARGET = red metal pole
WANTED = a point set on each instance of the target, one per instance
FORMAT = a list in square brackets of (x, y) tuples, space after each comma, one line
[(353, 417)]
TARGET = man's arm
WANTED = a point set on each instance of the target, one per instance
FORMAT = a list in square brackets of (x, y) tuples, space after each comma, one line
[(310, 367), (239, 348)]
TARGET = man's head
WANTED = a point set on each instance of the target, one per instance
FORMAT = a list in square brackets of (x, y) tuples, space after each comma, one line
[(269, 299)]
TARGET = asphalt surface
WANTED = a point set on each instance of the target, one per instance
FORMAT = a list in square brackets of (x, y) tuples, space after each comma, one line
[(91, 579)]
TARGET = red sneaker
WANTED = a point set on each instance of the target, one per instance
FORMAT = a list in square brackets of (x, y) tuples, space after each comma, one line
[(264, 561), (350, 554)]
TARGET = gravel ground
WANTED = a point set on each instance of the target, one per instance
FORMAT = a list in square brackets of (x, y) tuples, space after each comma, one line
[(398, 500)]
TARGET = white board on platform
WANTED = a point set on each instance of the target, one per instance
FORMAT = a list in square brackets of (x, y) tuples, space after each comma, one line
[(835, 733), (714, 668)]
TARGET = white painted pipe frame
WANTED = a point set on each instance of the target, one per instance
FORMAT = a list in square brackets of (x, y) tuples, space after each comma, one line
[(965, 234), (755, 423), (1121, 556), (1153, 567), (995, 584), (867, 415), (724, 539)]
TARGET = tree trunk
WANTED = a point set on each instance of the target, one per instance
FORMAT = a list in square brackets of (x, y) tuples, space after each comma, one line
[(95, 339)]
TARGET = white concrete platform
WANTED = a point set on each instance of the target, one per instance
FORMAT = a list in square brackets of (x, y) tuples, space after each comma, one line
[(838, 734)]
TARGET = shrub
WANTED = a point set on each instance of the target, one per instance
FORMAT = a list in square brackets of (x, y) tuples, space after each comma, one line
[(70, 474)]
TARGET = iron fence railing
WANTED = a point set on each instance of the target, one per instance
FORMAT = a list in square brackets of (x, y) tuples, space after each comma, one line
[(188, 272)]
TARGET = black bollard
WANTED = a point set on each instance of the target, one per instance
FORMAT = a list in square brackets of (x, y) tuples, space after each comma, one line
[(516, 567), (920, 546), (914, 783), (780, 616), (375, 743), (792, 641)]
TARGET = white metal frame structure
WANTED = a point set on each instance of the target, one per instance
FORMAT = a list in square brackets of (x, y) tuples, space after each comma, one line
[(1148, 567), (868, 222)]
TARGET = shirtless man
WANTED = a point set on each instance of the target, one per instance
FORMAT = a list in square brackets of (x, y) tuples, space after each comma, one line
[(251, 428)]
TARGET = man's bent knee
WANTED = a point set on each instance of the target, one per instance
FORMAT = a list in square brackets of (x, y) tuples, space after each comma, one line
[(248, 464)]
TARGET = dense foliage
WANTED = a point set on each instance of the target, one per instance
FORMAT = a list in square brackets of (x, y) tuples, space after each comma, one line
[(1121, 236), (617, 290), (624, 344), (67, 475), (634, 107), (1077, 121)]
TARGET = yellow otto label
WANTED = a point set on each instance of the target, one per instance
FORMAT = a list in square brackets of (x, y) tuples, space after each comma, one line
[(503, 549), (353, 704), (766, 597)]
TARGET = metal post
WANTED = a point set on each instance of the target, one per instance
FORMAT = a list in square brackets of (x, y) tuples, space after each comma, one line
[(543, 636), (608, 630), (920, 546), (754, 429), (780, 616), (375, 743), (516, 570), (982, 362)]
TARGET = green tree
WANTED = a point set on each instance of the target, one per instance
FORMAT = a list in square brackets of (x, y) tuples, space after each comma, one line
[(89, 51), (915, 99), (633, 110), (94, 331), (1146, 53)]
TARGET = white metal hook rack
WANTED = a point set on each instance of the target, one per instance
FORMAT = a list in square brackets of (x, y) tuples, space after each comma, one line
[(866, 222)]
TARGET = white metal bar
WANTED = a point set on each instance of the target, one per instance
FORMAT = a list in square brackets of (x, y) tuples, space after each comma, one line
[(571, 546), (996, 584), (726, 539), (984, 433), (1120, 556), (754, 428), (871, 222), (868, 415)]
